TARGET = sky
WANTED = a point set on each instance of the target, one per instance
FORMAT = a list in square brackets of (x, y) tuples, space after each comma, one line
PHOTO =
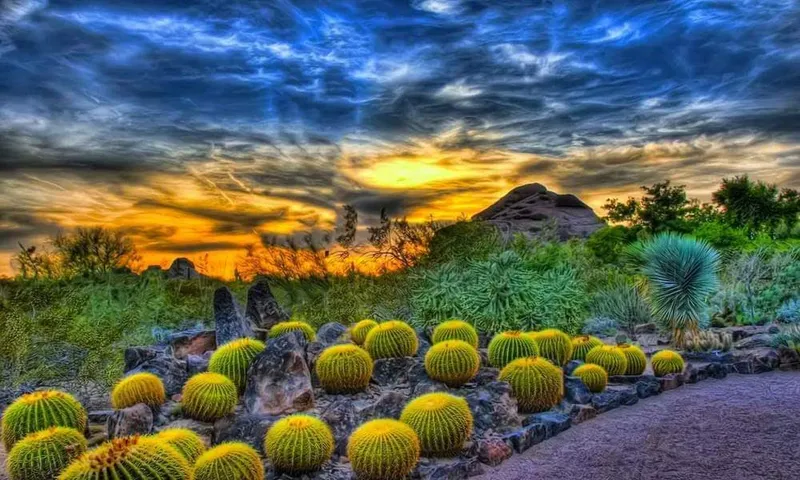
[(202, 127)]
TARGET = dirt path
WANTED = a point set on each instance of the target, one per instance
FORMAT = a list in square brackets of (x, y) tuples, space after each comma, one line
[(742, 427)]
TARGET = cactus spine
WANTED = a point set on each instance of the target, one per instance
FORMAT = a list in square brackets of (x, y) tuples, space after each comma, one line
[(637, 361), (508, 346), (553, 345), (39, 411), (285, 327), (209, 396), (582, 344), (229, 461), (44, 454), (299, 444), (344, 369), (234, 358), (359, 331), (138, 388), (391, 339), (443, 422), (536, 383), (593, 376), (185, 441), (455, 330), (666, 362), (610, 358), (452, 362), (130, 458), (383, 449)]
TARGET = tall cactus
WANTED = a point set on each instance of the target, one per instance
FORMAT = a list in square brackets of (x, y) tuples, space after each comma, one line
[(39, 411), (138, 388), (383, 449), (299, 444), (455, 330), (209, 396), (443, 423), (391, 339), (344, 369), (44, 454), (536, 383), (506, 347), (229, 461), (130, 458), (234, 358), (452, 362)]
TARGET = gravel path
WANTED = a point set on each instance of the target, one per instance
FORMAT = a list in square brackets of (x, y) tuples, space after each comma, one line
[(742, 427)]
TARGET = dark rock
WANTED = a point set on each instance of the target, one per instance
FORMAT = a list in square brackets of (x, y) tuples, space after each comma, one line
[(448, 468), (197, 363), (263, 310), (645, 328), (330, 333), (493, 451), (134, 420), (744, 331), (553, 422), (626, 393), (526, 437), (530, 209), (671, 381), (571, 366), (483, 340), (493, 408), (136, 356), (329, 471), (313, 351), (647, 386), (247, 428), (710, 370), (486, 375), (765, 360), (100, 416), (230, 324), (789, 358), (342, 417), (183, 269), (192, 342), (278, 380), (388, 405), (424, 346), (690, 374), (605, 401), (575, 391), (755, 341), (173, 372), (427, 386), (708, 357), (393, 371), (581, 413)]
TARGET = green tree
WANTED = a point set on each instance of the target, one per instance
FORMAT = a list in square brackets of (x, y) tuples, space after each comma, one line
[(756, 205), (663, 207), (94, 250)]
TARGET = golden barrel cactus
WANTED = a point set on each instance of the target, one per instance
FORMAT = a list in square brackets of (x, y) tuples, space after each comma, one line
[(553, 345), (234, 358), (44, 454), (344, 369), (611, 358), (299, 444), (285, 327), (185, 441), (130, 458), (443, 423), (209, 396), (506, 347), (391, 339), (138, 388), (637, 361), (383, 449), (593, 376), (666, 362), (229, 461), (359, 331), (582, 344), (41, 410), (455, 330), (536, 383), (452, 362)]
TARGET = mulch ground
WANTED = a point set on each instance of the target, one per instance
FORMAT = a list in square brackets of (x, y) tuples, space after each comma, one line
[(741, 427)]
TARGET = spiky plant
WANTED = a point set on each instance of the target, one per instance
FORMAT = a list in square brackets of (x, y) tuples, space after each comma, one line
[(39, 411), (610, 357), (44, 454), (707, 341), (383, 449), (506, 347), (295, 326), (455, 330), (536, 383), (234, 358), (359, 331), (681, 272), (637, 361), (443, 423), (391, 339), (299, 444), (553, 345), (209, 396), (582, 344), (344, 369), (593, 376), (452, 362), (229, 461), (666, 362), (624, 303), (185, 441), (130, 458), (138, 388)]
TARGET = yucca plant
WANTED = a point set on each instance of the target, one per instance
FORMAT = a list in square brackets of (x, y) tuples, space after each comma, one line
[(681, 272)]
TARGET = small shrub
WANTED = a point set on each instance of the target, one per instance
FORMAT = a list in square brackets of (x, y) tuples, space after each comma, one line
[(708, 341), (601, 326), (299, 444), (623, 303), (383, 449), (285, 327), (506, 347), (452, 362), (455, 330), (130, 458), (611, 358), (788, 337), (391, 339), (553, 345), (41, 410), (536, 383), (44, 454), (593, 376), (344, 369), (443, 422), (234, 358), (582, 344), (138, 388), (666, 362), (359, 331), (789, 312), (229, 461), (209, 396)]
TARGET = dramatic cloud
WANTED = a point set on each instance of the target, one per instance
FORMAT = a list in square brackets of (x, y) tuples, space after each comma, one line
[(205, 125)]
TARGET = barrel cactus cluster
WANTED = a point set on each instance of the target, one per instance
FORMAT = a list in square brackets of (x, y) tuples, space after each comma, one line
[(391, 339), (44, 454), (359, 331), (185, 441), (452, 362), (294, 326), (443, 422), (383, 449), (455, 330), (593, 376), (536, 383), (209, 396), (667, 361), (229, 461), (582, 344), (344, 369), (39, 411), (506, 347), (611, 358), (234, 358), (299, 444), (138, 388), (635, 357), (554, 345)]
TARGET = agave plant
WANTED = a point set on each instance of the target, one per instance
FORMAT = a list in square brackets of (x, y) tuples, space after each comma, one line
[(623, 303), (681, 273)]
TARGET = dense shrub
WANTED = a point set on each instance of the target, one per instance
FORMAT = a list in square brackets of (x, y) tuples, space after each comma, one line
[(789, 312)]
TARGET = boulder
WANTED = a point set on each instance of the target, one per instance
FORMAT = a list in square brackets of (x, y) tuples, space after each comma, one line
[(228, 318), (388, 405), (196, 341), (173, 372), (263, 310), (182, 269), (134, 420), (759, 340), (279, 381), (493, 451), (571, 366), (526, 437), (447, 468), (531, 209), (553, 422), (493, 408), (330, 333), (575, 391), (579, 413), (393, 371), (244, 427), (645, 328), (342, 417), (197, 363)]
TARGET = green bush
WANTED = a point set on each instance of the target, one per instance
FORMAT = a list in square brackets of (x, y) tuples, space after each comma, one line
[(623, 303)]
